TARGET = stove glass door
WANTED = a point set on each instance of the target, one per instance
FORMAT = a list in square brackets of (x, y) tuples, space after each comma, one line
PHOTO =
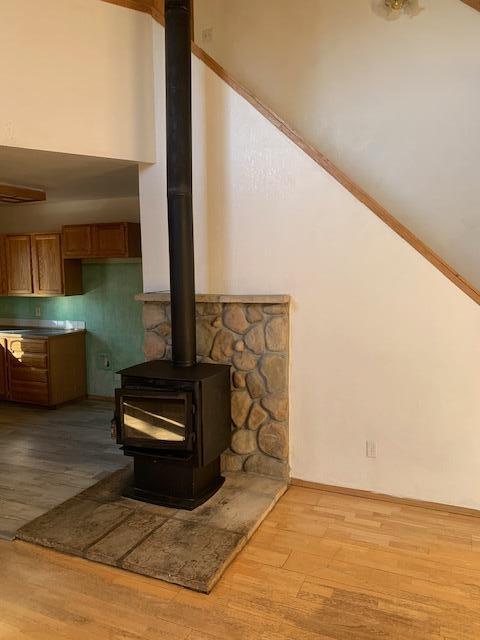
[(155, 420)]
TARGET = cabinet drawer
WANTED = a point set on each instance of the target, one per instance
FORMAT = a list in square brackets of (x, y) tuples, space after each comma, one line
[(32, 392), (29, 374), (23, 346), (19, 359)]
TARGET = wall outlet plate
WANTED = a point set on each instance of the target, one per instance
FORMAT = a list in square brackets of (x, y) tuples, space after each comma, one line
[(371, 449), (104, 361), (38, 312), (207, 35)]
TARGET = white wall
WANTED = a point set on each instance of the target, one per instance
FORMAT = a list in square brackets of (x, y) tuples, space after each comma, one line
[(76, 78), (383, 346), (394, 104), (51, 216)]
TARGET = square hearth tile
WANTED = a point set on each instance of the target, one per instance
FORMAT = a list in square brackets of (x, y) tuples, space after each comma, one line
[(238, 505), (187, 553), (74, 525), (121, 540)]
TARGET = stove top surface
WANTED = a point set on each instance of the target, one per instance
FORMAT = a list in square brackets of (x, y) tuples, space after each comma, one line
[(166, 370)]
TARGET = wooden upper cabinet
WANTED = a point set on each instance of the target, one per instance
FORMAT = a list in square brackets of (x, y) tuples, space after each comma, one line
[(107, 240), (33, 265), (19, 265), (47, 264), (77, 240), (110, 240), (52, 275)]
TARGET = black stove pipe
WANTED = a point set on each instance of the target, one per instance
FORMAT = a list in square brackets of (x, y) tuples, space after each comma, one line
[(179, 180)]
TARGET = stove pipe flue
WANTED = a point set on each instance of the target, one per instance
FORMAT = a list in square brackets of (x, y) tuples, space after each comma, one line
[(179, 180)]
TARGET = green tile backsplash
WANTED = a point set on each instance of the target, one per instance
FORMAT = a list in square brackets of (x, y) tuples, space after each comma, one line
[(113, 319)]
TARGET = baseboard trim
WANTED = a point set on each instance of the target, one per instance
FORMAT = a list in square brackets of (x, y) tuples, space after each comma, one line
[(101, 398), (385, 497)]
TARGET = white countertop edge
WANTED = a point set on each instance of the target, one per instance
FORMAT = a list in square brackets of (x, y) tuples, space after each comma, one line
[(46, 324)]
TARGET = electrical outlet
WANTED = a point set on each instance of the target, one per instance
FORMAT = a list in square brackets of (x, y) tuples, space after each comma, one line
[(38, 312), (371, 449), (104, 361), (207, 35)]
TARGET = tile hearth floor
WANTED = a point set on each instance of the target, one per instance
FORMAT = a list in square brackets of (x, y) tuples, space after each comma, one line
[(48, 456), (187, 548)]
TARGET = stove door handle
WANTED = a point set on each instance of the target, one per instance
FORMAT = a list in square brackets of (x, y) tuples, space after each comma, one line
[(114, 428)]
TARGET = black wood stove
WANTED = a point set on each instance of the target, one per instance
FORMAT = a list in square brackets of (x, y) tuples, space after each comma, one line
[(175, 422), (174, 417)]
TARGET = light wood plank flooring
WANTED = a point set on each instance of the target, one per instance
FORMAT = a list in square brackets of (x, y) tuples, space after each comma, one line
[(322, 566), (47, 456)]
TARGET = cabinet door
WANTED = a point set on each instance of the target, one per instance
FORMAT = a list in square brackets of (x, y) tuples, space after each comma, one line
[(78, 241), (47, 263), (3, 267), (3, 368), (19, 265), (110, 240)]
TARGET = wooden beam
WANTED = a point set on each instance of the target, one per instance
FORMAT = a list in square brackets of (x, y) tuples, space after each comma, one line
[(475, 4), (13, 194), (154, 7), (138, 5)]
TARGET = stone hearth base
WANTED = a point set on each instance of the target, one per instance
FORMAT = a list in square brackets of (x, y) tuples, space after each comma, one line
[(188, 548)]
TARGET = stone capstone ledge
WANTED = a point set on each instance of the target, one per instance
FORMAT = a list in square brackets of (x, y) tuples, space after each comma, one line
[(164, 296)]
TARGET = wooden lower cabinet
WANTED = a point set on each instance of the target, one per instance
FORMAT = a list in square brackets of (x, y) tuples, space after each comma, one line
[(45, 371), (3, 267), (3, 368)]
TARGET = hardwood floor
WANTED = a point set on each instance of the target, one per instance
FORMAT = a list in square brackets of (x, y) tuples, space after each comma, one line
[(322, 566), (47, 456)]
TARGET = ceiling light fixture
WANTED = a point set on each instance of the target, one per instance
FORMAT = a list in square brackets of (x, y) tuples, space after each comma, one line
[(394, 9), (395, 5)]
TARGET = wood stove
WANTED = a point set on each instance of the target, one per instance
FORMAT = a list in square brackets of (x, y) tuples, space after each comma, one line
[(174, 417), (175, 422)]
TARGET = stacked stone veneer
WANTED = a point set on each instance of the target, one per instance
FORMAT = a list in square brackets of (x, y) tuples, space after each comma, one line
[(253, 338)]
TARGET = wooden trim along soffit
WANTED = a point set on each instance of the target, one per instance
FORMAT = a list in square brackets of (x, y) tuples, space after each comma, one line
[(475, 4)]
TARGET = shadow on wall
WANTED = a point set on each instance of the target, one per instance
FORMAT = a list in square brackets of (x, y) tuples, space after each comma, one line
[(212, 177)]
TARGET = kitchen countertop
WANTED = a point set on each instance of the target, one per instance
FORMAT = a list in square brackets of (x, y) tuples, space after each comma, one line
[(37, 332)]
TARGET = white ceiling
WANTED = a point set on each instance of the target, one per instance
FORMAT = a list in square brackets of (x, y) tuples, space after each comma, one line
[(68, 177)]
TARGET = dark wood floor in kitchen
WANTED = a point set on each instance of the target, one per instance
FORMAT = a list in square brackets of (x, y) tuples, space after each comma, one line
[(47, 456)]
